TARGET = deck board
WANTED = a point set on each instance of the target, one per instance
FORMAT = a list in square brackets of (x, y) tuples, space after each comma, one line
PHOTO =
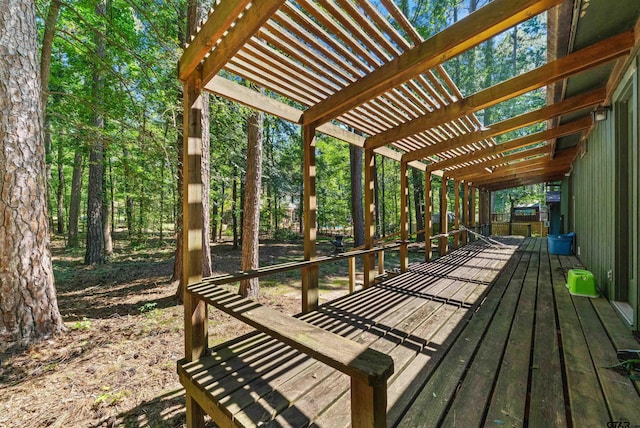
[(483, 336), (474, 391), (547, 396)]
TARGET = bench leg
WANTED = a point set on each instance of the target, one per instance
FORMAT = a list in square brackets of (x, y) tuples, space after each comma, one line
[(368, 405), (195, 414)]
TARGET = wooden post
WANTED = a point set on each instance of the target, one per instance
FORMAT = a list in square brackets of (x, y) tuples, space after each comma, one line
[(489, 206), (404, 215), (309, 274), (481, 210), (472, 211), (456, 196), (352, 274), (465, 213), (444, 224), (195, 310), (380, 262), (369, 226), (428, 227), (368, 405)]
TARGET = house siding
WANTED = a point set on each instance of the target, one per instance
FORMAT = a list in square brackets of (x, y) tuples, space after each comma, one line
[(592, 190)]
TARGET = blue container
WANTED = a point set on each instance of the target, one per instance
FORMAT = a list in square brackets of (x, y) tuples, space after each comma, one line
[(560, 244)]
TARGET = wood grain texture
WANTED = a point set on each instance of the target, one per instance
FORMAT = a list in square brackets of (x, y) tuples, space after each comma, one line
[(218, 22), (244, 29)]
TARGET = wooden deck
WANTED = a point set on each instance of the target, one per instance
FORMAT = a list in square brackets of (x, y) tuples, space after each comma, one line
[(483, 336)]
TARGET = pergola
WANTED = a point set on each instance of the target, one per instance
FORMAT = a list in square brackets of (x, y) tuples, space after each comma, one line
[(360, 72)]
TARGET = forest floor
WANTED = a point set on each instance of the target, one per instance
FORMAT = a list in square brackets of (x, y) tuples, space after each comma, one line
[(116, 363)]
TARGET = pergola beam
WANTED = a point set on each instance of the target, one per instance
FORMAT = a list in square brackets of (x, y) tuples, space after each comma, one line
[(507, 176), (250, 98), (514, 160), (545, 113), (522, 172), (525, 181), (466, 173), (219, 21), (244, 28), (481, 25), (518, 143), (584, 59)]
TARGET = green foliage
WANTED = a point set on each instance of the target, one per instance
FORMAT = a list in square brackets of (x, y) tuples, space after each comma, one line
[(110, 398), (84, 324), (519, 196), (147, 307), (140, 105)]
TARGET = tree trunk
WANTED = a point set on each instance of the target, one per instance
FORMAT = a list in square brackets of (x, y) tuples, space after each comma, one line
[(489, 67), (60, 193), (161, 213), (357, 213), (74, 202), (176, 276), (251, 220), (47, 172), (222, 192), (234, 208), (45, 72), (28, 304), (418, 195), (94, 252), (107, 212), (205, 169), (514, 50), (214, 221), (128, 184)]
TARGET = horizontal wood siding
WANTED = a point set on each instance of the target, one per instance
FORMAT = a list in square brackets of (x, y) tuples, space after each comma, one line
[(593, 185)]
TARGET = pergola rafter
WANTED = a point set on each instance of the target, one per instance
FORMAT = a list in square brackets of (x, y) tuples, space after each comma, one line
[(521, 166), (518, 143), (570, 105), (382, 83), (562, 68)]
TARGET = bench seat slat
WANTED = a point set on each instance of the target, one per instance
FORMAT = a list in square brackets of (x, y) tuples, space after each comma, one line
[(353, 359)]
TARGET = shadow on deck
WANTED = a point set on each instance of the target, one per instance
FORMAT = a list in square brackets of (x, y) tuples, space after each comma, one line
[(484, 336)]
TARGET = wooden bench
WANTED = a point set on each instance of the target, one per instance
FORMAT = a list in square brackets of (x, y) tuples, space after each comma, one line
[(368, 369)]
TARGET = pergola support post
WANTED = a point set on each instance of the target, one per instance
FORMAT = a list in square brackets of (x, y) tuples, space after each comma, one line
[(428, 227), (465, 212), (472, 212), (404, 216), (489, 206), (310, 273), (456, 196), (195, 310), (444, 223), (369, 226)]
